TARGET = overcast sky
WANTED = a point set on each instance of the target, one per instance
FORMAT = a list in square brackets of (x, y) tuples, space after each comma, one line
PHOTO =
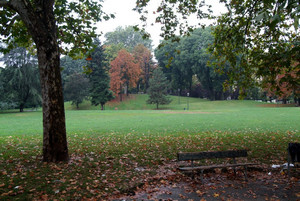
[(125, 16)]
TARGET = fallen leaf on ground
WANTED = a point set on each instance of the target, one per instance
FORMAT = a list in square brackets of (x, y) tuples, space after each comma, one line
[(216, 195)]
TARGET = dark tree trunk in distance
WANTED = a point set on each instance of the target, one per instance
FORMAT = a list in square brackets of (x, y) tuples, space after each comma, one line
[(21, 107)]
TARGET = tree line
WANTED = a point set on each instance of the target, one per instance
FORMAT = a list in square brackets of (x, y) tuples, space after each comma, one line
[(124, 64), (107, 72)]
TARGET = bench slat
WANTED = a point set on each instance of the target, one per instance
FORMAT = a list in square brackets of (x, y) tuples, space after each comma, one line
[(214, 166), (210, 154)]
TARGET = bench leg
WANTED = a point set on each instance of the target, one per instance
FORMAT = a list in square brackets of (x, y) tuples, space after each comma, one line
[(288, 167), (234, 168), (245, 173), (202, 176)]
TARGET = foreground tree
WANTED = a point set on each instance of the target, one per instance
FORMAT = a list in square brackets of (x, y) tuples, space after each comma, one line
[(158, 89), (47, 23)]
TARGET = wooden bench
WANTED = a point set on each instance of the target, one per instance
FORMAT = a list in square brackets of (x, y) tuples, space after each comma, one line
[(192, 156)]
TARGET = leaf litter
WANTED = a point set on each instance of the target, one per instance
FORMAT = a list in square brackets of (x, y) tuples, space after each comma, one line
[(108, 166)]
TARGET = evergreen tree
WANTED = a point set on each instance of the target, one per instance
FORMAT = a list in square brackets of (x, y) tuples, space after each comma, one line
[(99, 78), (158, 89)]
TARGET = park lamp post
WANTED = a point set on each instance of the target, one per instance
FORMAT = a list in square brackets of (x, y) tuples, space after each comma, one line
[(178, 96), (188, 94)]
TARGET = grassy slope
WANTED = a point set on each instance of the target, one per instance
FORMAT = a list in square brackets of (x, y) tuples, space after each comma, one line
[(138, 102)]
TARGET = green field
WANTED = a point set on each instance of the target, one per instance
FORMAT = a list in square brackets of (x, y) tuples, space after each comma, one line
[(106, 147)]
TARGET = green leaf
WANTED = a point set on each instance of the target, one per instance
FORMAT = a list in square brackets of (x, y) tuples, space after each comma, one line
[(296, 22), (260, 17)]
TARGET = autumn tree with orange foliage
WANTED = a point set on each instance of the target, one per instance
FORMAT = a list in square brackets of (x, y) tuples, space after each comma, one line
[(124, 73), (143, 58)]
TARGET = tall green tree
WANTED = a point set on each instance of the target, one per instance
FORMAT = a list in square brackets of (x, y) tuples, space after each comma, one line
[(100, 92), (128, 37), (21, 77), (48, 24), (158, 89), (193, 54), (76, 88), (189, 57)]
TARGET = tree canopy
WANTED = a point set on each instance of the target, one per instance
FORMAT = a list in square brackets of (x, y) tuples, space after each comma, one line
[(75, 21), (185, 65), (127, 37), (144, 59), (124, 73), (259, 39)]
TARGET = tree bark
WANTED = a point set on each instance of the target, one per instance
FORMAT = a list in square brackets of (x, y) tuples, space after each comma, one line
[(41, 25), (54, 143)]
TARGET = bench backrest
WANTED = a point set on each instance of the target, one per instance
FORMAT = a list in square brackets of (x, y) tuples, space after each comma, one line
[(211, 154)]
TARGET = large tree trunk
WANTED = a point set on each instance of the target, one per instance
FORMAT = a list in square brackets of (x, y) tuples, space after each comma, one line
[(41, 25), (54, 143)]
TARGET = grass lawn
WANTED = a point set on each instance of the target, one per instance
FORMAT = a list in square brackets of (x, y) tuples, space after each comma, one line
[(109, 148)]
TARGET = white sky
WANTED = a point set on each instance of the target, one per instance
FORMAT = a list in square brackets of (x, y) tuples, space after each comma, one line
[(125, 16)]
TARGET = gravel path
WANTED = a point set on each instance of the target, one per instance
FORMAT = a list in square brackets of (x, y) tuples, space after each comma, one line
[(263, 184)]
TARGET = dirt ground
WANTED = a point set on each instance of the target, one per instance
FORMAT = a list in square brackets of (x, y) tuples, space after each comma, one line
[(264, 183)]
